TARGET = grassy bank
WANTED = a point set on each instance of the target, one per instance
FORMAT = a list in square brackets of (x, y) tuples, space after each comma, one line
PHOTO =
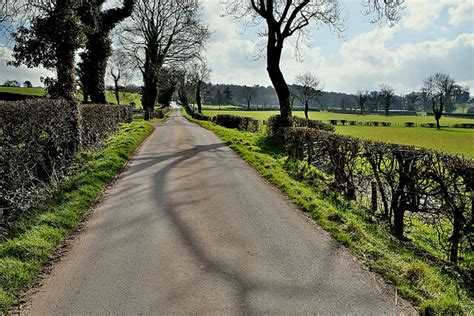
[(430, 288), (23, 254)]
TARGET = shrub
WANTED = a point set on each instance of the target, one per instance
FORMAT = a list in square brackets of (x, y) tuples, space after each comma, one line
[(99, 121), (235, 121), (274, 125), (408, 181), (463, 125), (201, 117), (315, 124), (35, 147)]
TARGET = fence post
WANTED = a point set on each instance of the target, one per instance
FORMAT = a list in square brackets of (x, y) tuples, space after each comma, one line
[(374, 196)]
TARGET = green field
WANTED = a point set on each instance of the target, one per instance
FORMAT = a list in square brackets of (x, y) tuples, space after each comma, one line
[(25, 91), (452, 140), (125, 97), (326, 116)]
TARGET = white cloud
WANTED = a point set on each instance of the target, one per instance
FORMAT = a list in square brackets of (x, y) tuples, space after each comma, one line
[(21, 73), (422, 13), (425, 14), (368, 60), (462, 11)]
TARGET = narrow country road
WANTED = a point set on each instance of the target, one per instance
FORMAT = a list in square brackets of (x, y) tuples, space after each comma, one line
[(189, 228)]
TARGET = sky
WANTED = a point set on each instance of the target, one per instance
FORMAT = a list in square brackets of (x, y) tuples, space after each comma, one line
[(432, 36)]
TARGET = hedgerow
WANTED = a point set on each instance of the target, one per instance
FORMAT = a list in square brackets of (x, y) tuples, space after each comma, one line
[(36, 151), (234, 121), (275, 127), (403, 182)]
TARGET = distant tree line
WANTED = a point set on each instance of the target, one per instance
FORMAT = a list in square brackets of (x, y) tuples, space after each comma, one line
[(362, 101)]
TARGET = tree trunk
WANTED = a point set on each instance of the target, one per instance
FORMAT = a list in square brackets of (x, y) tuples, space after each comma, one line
[(398, 222), (274, 51), (306, 108), (198, 98), (456, 237), (248, 105), (437, 124), (150, 86), (117, 95), (66, 88), (98, 49)]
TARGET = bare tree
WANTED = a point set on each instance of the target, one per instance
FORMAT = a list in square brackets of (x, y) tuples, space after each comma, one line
[(439, 89), (163, 32), (248, 93), (384, 9), (309, 88), (200, 73), (362, 97), (5, 11), (119, 71), (388, 96), (286, 18)]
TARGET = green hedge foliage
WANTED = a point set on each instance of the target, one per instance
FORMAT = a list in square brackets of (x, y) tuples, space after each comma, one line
[(275, 128), (234, 121), (36, 151), (403, 183)]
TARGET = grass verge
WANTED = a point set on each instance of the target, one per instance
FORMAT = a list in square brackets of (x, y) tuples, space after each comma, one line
[(23, 255), (432, 290)]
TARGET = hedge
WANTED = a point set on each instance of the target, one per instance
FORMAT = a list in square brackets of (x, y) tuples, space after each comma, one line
[(160, 113), (36, 151), (399, 180), (98, 121), (234, 121), (275, 128)]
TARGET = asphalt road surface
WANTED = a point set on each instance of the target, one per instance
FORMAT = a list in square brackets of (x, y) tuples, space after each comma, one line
[(190, 228)]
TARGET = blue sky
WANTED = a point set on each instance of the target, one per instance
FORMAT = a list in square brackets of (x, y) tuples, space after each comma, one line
[(432, 36)]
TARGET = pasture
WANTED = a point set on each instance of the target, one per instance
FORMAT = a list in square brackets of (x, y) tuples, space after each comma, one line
[(452, 140), (125, 97), (26, 91)]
